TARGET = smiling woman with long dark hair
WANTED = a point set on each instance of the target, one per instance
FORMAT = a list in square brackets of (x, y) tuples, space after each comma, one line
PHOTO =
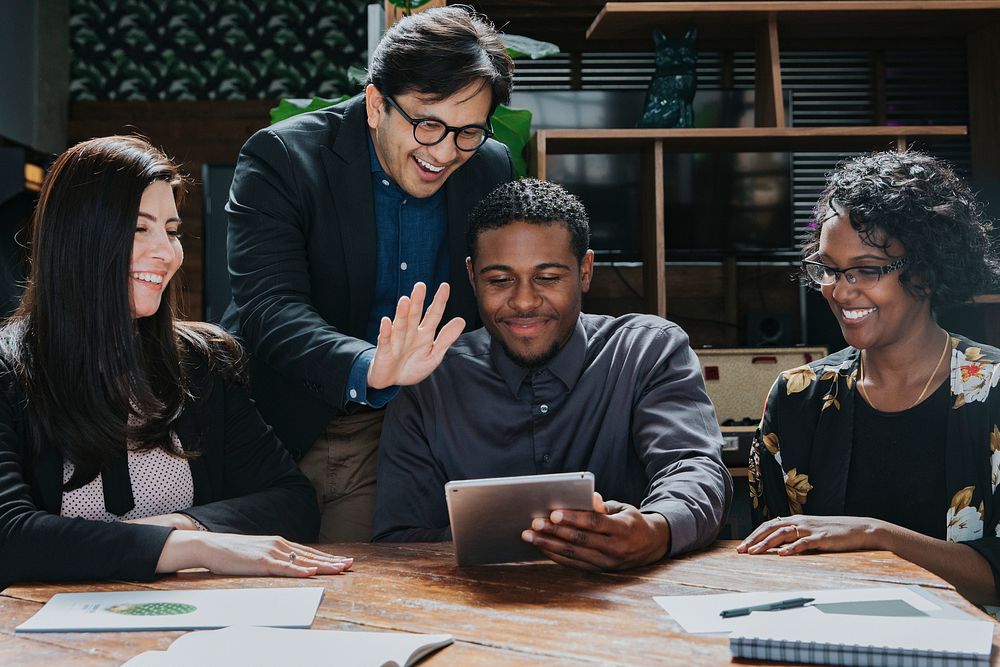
[(128, 443)]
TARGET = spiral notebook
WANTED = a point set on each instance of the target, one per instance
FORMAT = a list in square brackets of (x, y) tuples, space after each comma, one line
[(823, 639)]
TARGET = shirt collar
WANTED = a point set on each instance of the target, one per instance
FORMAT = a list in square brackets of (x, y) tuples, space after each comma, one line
[(376, 166), (567, 365)]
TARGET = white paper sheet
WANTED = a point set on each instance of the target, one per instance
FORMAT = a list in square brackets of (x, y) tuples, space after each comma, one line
[(700, 613), (176, 610), (266, 647)]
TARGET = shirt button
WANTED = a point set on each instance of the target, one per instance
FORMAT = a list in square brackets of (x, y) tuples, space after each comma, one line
[(354, 393), (545, 458), (385, 182), (403, 266), (404, 201), (543, 409)]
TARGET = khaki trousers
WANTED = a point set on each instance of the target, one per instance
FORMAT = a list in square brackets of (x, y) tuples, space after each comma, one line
[(341, 465)]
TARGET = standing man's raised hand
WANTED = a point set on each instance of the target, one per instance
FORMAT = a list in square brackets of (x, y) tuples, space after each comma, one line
[(407, 350)]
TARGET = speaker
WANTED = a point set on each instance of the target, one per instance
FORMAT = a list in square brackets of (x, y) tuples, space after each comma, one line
[(821, 326), (768, 330)]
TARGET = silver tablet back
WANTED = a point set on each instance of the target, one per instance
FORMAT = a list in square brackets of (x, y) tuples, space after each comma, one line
[(488, 515)]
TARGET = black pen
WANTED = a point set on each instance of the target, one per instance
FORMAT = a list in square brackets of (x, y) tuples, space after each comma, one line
[(771, 606)]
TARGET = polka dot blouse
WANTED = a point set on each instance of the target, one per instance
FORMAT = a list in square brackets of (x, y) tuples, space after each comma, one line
[(161, 484)]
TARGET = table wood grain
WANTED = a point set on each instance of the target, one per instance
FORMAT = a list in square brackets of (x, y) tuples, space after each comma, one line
[(521, 614)]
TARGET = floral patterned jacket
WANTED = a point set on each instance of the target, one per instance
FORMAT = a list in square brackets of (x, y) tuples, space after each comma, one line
[(801, 452)]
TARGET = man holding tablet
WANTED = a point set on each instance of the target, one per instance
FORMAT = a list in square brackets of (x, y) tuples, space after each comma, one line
[(543, 388)]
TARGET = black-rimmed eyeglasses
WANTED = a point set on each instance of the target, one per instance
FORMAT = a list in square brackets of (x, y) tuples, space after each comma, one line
[(860, 276), (428, 132)]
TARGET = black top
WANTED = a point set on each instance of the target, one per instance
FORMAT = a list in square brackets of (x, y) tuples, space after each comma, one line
[(801, 455), (244, 482), (624, 399), (302, 259), (898, 463)]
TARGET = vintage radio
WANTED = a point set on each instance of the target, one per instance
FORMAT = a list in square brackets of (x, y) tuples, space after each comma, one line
[(737, 381)]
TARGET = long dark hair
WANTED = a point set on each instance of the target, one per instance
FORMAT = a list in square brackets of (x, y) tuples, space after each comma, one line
[(84, 362)]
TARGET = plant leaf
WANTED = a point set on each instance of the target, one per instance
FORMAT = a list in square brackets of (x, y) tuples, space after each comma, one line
[(513, 128), (519, 46), (357, 75), (293, 107), (408, 4)]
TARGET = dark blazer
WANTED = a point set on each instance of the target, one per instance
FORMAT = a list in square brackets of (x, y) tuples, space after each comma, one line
[(302, 259), (244, 482)]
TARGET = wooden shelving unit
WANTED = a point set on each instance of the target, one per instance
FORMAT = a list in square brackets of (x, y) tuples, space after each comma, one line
[(802, 23), (653, 143), (758, 25), (733, 139)]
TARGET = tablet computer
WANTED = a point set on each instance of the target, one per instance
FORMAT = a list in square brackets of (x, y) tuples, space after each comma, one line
[(488, 515)]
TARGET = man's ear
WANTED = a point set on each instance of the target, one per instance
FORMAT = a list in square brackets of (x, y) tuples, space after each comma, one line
[(586, 271), (374, 105), (472, 274)]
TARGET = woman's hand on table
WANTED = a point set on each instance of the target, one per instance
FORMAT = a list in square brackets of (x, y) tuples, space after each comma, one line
[(799, 533), (252, 555)]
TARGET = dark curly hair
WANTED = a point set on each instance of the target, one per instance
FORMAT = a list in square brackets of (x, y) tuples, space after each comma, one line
[(533, 201), (921, 202)]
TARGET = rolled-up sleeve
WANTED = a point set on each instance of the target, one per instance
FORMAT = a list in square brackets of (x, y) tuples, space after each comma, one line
[(677, 437)]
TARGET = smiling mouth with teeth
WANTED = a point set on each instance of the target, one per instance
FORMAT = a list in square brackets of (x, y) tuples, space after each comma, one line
[(857, 314), (151, 278), (428, 166)]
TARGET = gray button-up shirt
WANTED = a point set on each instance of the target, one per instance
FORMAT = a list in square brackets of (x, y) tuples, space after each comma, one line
[(624, 399)]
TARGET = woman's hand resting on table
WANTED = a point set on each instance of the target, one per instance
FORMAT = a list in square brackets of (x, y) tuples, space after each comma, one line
[(253, 555), (799, 533)]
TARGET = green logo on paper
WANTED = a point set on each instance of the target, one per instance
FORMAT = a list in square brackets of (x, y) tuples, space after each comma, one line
[(153, 609)]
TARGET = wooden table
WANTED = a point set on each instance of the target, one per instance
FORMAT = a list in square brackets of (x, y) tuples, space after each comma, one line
[(523, 614)]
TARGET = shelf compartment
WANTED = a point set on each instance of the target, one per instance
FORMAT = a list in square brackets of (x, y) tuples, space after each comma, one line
[(734, 139)]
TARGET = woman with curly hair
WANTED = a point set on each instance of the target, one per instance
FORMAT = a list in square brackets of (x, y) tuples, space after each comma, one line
[(894, 442), (128, 444)]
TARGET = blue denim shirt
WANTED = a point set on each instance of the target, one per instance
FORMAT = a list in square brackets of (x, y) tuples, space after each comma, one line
[(410, 247)]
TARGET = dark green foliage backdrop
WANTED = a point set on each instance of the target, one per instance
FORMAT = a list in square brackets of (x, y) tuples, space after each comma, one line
[(214, 49)]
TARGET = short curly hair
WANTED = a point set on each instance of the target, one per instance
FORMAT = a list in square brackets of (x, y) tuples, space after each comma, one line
[(533, 201), (921, 202)]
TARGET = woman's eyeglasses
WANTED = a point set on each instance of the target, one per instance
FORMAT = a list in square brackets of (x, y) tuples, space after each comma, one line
[(429, 132), (861, 276)]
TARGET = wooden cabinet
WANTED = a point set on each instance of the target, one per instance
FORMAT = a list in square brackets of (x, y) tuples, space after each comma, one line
[(765, 27)]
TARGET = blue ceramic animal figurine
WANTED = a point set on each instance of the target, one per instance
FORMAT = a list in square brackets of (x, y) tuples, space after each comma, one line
[(671, 91)]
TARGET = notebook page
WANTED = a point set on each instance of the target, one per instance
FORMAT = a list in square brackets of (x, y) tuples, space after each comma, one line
[(907, 634)]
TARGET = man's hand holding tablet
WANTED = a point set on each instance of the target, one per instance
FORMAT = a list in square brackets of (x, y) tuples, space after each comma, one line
[(504, 519), (614, 536)]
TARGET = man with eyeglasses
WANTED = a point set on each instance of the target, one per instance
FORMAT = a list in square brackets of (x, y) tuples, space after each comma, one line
[(340, 222)]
